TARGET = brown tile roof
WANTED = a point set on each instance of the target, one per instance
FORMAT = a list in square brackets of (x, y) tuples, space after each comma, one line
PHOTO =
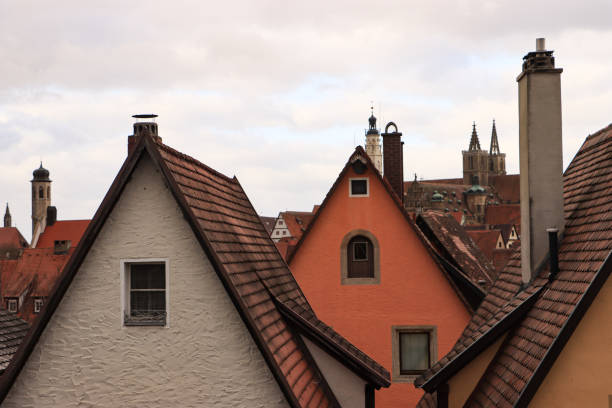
[(11, 241), (538, 337), (507, 187), (268, 223), (503, 214), (71, 230), (486, 240), (286, 246), (12, 331), (456, 242), (297, 222), (255, 276)]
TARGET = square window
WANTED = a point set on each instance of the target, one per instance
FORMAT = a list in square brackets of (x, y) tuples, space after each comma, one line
[(145, 294), (414, 351), (38, 304), (358, 187)]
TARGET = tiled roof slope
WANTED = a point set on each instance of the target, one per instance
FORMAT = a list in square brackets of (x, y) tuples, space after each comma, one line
[(268, 223), (503, 214), (12, 331), (247, 263), (586, 244), (71, 230), (537, 338), (11, 242), (255, 268), (485, 239), (297, 222), (507, 187), (460, 247)]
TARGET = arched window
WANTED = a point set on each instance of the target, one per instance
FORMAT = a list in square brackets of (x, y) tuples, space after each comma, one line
[(48, 192), (359, 258), (41, 193)]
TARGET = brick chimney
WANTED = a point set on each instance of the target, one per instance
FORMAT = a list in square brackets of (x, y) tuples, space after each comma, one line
[(145, 123), (393, 159), (541, 158)]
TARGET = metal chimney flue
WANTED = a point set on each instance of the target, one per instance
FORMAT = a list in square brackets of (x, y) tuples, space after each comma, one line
[(540, 44)]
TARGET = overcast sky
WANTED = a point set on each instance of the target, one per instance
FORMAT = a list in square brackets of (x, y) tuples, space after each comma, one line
[(276, 92)]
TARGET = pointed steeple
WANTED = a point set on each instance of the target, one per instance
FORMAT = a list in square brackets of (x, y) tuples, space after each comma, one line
[(372, 120), (474, 142), (7, 217), (494, 149)]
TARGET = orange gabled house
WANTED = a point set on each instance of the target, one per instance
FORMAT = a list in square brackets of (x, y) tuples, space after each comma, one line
[(366, 268)]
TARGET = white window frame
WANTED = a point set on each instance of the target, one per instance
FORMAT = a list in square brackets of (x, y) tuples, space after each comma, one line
[(125, 289), (38, 305), (396, 375), (367, 180), (12, 305)]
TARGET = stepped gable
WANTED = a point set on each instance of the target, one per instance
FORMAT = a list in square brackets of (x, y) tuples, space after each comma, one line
[(555, 307)]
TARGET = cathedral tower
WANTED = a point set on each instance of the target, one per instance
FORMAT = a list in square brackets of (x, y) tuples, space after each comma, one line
[(497, 160), (41, 199), (372, 146), (475, 162)]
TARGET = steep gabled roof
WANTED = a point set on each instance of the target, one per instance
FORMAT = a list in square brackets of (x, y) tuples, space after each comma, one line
[(507, 187), (71, 230), (247, 263), (268, 223), (297, 221), (538, 337), (503, 214), (486, 240), (11, 238), (360, 155)]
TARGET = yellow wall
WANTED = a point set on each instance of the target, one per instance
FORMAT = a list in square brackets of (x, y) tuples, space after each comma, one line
[(582, 374), (463, 383)]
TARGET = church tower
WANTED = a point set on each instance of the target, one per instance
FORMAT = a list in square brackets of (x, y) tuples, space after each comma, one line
[(475, 162), (497, 160), (372, 146), (7, 217), (41, 199)]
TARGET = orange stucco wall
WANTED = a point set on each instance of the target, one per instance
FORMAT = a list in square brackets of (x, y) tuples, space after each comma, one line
[(412, 290)]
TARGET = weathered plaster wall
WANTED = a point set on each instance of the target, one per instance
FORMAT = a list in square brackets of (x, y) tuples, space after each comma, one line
[(348, 388), (461, 385), (206, 357), (580, 377)]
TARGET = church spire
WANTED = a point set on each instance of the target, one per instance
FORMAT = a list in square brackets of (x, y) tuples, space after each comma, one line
[(372, 146), (474, 142), (494, 149), (7, 217)]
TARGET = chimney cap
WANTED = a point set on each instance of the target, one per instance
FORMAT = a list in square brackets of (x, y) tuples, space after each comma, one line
[(145, 116), (553, 229)]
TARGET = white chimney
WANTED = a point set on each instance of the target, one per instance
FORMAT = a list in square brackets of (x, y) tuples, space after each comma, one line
[(541, 157)]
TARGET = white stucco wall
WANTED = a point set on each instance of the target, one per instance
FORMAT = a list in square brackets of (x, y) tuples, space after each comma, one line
[(348, 388), (205, 357)]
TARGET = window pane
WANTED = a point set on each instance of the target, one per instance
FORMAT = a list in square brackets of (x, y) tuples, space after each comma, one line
[(360, 251), (148, 276), (359, 187), (144, 301), (414, 352)]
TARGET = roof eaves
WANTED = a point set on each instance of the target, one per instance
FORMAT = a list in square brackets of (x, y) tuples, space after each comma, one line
[(478, 346), (565, 333), (347, 359)]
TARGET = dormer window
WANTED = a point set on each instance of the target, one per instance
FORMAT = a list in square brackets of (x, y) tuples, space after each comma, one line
[(11, 305), (359, 187), (38, 304)]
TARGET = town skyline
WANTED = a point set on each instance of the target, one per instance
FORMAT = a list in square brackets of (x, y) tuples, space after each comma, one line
[(278, 97)]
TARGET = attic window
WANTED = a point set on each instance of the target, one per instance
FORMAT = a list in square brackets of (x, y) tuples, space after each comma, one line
[(38, 304), (414, 351), (359, 187), (11, 305), (145, 294)]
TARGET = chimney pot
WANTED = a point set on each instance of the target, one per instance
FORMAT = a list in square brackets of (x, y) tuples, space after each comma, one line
[(540, 44)]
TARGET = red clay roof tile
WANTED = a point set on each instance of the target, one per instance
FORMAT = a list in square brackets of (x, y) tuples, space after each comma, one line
[(71, 230)]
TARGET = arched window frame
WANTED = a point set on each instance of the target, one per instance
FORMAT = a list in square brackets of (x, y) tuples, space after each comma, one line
[(41, 193), (344, 279)]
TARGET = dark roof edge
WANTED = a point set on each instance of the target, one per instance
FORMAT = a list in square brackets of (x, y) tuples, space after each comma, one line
[(566, 332), (484, 341), (461, 277), (61, 286), (347, 359)]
